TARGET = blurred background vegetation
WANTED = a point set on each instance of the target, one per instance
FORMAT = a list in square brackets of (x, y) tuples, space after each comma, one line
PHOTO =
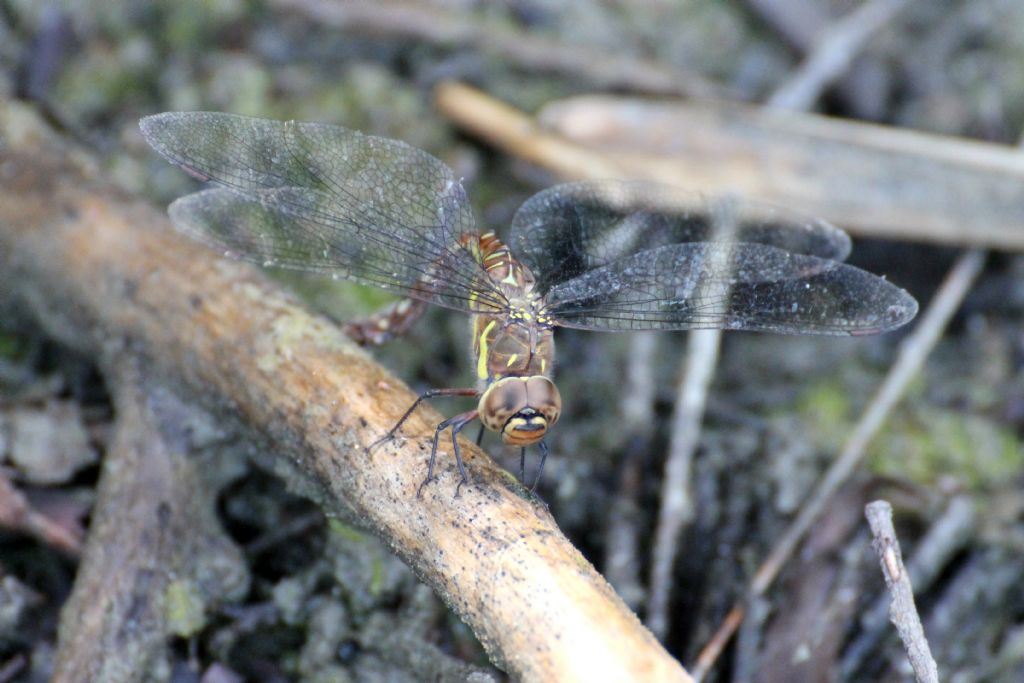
[(329, 603)]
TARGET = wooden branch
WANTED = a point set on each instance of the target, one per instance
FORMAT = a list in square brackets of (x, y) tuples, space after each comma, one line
[(94, 267), (872, 180), (155, 555), (902, 612)]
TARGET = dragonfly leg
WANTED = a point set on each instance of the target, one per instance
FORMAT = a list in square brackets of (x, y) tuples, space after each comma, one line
[(540, 468), (457, 426), (522, 464), (392, 321), (426, 395), (480, 435), (456, 422)]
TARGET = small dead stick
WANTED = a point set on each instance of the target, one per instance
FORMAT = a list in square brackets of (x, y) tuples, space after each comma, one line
[(17, 513), (902, 611), (676, 509), (834, 53), (946, 537), (914, 351)]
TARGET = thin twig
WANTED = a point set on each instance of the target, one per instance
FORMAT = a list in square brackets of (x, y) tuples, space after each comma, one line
[(676, 510), (833, 54), (902, 612), (12, 667), (944, 539), (623, 535), (676, 503), (913, 352), (17, 513), (524, 49)]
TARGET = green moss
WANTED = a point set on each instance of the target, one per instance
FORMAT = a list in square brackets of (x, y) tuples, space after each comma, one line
[(824, 408), (370, 98), (100, 80), (923, 444), (338, 299), (11, 346), (345, 531), (377, 577), (918, 443), (189, 24), (184, 608)]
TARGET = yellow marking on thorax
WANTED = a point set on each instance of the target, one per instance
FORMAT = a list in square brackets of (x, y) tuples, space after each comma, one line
[(511, 360), (481, 361)]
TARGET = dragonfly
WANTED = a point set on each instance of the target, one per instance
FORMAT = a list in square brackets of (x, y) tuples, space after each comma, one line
[(613, 255)]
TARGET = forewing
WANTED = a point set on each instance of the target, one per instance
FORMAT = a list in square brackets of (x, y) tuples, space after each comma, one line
[(326, 199), (741, 286), (567, 230)]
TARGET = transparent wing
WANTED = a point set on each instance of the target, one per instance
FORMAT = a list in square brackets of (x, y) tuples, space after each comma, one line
[(326, 199), (567, 230), (740, 286)]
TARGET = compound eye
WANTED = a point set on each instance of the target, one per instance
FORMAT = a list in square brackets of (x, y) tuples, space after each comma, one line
[(543, 396), (501, 402)]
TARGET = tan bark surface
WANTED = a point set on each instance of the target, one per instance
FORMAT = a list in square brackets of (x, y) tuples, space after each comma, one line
[(98, 268)]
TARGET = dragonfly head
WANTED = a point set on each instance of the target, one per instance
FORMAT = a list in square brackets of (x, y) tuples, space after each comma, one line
[(521, 409)]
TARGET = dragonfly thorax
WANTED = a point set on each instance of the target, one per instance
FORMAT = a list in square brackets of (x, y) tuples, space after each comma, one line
[(521, 409), (509, 345)]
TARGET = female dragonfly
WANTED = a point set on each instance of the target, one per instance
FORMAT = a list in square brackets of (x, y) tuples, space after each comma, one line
[(600, 255)]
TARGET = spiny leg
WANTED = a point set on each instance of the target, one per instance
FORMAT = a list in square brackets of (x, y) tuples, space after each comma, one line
[(522, 465), (457, 422), (428, 394), (392, 321), (480, 435), (540, 468), (456, 428)]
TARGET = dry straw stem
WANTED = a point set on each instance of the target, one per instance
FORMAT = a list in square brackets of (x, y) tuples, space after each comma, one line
[(96, 268), (871, 180), (902, 611)]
